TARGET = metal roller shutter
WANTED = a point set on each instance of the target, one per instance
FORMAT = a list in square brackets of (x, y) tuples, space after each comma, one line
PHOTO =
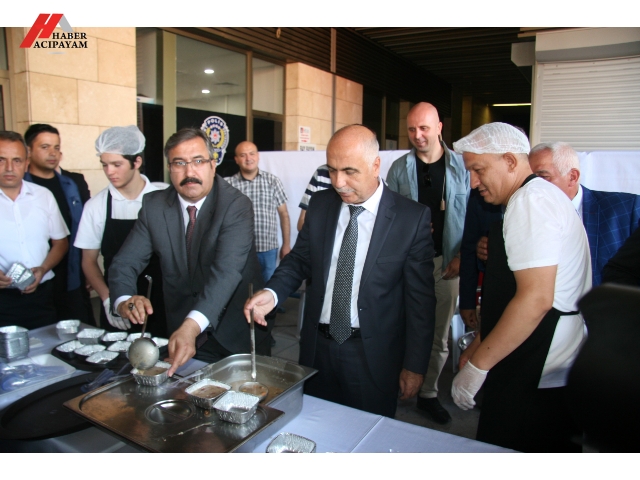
[(592, 105)]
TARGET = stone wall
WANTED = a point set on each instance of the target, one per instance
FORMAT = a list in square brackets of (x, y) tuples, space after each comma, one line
[(81, 92), (308, 103)]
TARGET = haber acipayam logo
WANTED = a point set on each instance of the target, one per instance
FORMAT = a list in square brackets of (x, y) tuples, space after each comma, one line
[(43, 29)]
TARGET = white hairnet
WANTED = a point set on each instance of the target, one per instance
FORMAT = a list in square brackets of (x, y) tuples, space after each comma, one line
[(494, 138), (121, 140)]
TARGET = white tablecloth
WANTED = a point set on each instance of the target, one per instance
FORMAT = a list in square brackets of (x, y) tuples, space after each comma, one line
[(334, 428), (340, 429)]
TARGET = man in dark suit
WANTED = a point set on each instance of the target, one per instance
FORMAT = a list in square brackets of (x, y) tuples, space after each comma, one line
[(201, 228), (81, 183), (370, 310), (608, 217), (624, 266)]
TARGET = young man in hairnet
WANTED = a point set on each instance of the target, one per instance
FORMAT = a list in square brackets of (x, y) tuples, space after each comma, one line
[(109, 217), (538, 267)]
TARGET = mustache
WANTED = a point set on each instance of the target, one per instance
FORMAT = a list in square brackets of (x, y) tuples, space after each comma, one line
[(190, 180), (344, 190)]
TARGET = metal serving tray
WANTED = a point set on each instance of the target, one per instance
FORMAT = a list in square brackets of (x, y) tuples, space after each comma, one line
[(161, 419), (284, 379)]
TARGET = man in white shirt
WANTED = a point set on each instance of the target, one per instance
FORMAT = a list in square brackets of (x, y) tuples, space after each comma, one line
[(29, 219), (370, 314), (538, 268), (201, 228), (109, 216)]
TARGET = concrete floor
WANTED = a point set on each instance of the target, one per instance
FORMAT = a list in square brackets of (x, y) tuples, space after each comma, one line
[(464, 423)]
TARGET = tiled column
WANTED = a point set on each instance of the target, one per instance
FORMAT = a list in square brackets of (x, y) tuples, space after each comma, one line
[(308, 103), (81, 92)]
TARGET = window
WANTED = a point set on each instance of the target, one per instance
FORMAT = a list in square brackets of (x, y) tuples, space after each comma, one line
[(210, 78), (4, 63), (2, 122), (372, 112), (209, 81), (268, 104), (392, 125), (268, 86)]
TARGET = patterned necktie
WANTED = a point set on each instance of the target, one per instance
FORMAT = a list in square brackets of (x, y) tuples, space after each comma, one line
[(190, 227), (340, 323)]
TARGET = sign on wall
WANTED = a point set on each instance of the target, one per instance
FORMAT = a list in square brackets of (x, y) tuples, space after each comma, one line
[(218, 132), (304, 135)]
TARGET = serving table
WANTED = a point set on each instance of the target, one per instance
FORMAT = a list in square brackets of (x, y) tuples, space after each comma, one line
[(333, 427)]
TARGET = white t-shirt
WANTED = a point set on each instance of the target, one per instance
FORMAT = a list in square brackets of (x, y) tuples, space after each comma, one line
[(542, 228), (94, 215), (27, 224)]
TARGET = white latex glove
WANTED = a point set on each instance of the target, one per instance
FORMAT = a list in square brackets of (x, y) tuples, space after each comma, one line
[(466, 384), (115, 321)]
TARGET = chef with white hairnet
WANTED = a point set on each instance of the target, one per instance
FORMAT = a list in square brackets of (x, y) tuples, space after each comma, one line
[(108, 218), (538, 267)]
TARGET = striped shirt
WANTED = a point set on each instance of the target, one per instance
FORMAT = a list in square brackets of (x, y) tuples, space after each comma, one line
[(319, 181), (267, 194)]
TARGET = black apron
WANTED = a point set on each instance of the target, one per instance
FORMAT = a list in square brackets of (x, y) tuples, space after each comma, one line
[(511, 387), (115, 233)]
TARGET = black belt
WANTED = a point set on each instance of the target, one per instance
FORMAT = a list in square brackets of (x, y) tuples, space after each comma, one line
[(323, 328)]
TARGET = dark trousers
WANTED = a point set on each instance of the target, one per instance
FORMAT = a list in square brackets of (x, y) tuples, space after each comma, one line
[(71, 304), (343, 377), (212, 351), (32, 310), (75, 305), (546, 427)]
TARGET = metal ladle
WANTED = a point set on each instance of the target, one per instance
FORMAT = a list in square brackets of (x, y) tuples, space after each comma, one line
[(143, 352), (254, 387)]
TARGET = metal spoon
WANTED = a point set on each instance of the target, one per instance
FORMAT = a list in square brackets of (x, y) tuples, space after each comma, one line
[(254, 387), (143, 352)]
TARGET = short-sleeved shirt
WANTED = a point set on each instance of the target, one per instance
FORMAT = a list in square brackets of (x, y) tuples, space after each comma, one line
[(267, 194), (319, 181), (94, 215), (542, 228), (26, 226)]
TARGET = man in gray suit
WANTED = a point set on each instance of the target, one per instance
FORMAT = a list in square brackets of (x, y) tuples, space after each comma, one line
[(201, 228)]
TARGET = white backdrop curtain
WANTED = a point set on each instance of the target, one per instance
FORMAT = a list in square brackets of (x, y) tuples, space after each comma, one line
[(615, 171)]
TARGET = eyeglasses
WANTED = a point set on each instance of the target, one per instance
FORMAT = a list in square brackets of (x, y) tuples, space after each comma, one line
[(426, 176), (16, 161), (182, 165)]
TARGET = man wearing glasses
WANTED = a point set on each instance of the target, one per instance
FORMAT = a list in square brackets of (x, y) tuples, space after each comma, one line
[(202, 229), (433, 175)]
